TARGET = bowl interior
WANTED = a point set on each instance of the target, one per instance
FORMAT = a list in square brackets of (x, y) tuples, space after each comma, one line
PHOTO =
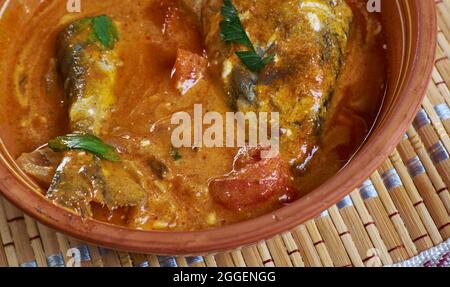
[(410, 27)]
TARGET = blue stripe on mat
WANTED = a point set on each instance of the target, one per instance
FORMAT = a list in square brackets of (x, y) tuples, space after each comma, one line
[(167, 261)]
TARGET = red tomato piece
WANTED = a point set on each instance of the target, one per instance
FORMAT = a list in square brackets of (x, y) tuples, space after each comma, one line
[(253, 181), (179, 26), (188, 70)]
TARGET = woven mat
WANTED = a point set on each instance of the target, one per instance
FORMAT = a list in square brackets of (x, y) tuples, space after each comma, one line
[(400, 216)]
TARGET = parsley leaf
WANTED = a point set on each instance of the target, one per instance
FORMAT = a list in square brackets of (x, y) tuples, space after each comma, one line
[(175, 153), (231, 27), (85, 142), (105, 31), (253, 61), (232, 31)]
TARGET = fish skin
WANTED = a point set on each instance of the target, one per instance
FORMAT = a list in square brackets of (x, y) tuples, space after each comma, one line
[(309, 40), (40, 164), (89, 72), (73, 184)]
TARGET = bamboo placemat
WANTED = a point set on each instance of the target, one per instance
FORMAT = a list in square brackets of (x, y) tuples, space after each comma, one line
[(400, 212)]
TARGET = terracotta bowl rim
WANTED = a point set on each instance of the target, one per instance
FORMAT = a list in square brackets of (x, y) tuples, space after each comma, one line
[(263, 227)]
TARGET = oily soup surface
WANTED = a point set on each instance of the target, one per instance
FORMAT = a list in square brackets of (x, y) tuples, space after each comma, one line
[(34, 108)]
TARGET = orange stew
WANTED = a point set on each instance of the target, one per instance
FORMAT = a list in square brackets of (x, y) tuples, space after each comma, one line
[(169, 56)]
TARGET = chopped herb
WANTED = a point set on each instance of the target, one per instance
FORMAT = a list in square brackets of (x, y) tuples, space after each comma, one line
[(232, 31), (85, 142), (105, 31), (253, 61), (231, 27), (175, 153)]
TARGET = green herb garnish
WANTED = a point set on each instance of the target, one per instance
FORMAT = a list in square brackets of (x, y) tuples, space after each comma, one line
[(85, 142), (253, 61), (233, 31), (175, 153), (105, 31)]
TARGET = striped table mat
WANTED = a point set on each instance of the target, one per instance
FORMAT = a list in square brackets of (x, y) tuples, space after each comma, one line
[(398, 217)]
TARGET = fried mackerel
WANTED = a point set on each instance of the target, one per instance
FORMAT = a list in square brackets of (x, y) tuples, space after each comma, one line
[(308, 40), (88, 66)]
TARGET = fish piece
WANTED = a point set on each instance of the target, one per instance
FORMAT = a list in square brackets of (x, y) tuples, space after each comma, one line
[(81, 178), (88, 62), (76, 183), (120, 187), (308, 39), (40, 164), (89, 71)]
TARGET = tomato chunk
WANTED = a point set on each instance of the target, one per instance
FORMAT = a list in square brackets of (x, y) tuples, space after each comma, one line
[(179, 26), (253, 181), (189, 68)]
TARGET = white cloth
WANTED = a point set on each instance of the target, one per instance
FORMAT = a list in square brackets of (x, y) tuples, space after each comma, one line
[(438, 256)]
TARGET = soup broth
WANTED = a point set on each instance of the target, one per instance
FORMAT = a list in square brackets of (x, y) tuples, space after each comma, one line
[(187, 188)]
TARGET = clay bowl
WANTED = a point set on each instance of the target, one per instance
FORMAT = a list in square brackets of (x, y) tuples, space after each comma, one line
[(411, 29)]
